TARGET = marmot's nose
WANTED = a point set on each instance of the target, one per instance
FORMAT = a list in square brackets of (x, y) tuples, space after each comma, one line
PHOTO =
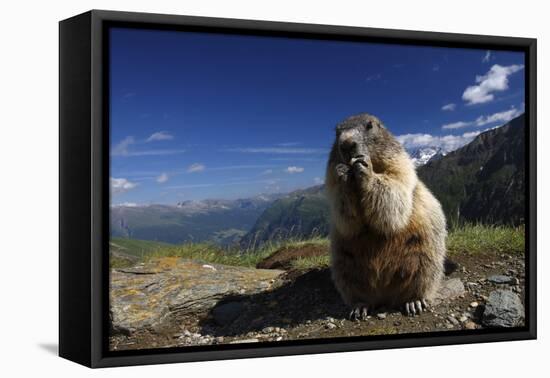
[(349, 147)]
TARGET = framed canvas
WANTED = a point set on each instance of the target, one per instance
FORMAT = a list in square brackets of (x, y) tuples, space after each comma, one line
[(235, 188)]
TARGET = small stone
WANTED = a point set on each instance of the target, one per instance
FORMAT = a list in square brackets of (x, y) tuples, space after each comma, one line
[(268, 330), (501, 279), (186, 333), (474, 304), (330, 326), (453, 320), (277, 329), (469, 325), (462, 319), (449, 289), (279, 338), (219, 339), (330, 320), (397, 323), (381, 315)]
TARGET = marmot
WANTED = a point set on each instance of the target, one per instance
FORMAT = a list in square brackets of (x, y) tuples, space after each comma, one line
[(387, 229)]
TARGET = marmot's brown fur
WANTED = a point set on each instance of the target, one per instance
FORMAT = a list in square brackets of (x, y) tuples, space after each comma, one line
[(387, 230)]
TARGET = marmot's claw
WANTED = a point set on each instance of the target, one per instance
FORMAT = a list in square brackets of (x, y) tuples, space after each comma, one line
[(359, 313), (342, 171), (415, 307)]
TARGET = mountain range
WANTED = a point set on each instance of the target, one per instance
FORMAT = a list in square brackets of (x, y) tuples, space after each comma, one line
[(483, 181), (218, 221)]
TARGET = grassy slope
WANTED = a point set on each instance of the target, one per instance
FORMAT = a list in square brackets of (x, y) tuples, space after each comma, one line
[(135, 247), (471, 239)]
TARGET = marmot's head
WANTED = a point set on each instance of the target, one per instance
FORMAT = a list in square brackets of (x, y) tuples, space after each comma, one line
[(363, 136)]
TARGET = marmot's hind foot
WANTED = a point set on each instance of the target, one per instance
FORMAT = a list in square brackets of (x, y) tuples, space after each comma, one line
[(359, 312), (415, 307)]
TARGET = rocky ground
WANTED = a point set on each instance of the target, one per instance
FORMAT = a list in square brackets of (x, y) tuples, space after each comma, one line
[(172, 302)]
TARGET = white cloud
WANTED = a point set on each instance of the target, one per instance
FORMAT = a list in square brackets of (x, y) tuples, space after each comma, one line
[(267, 172), (123, 149), (486, 57), (449, 107), (126, 204), (278, 150), (196, 167), (160, 135), (121, 185), (162, 178), (495, 80), (154, 153), (456, 125), (373, 77), (288, 144), (293, 169), (447, 143), (502, 117)]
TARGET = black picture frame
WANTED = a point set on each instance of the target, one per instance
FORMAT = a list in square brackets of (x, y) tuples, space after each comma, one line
[(84, 188)]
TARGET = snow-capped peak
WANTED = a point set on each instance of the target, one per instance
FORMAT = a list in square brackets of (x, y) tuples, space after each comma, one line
[(422, 155)]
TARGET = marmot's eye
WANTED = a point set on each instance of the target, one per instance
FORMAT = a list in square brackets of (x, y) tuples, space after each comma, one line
[(369, 125)]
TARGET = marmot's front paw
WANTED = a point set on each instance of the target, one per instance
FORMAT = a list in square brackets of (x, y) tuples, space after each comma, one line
[(343, 171), (359, 312), (415, 307)]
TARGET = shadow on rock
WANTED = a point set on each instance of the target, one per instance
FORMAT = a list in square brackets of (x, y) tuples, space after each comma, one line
[(301, 297)]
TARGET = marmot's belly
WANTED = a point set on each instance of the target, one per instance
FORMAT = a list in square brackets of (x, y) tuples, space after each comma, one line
[(386, 276), (388, 287)]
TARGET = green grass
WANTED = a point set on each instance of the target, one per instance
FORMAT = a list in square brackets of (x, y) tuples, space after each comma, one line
[(311, 262), (475, 239), (470, 239), (135, 247), (211, 253)]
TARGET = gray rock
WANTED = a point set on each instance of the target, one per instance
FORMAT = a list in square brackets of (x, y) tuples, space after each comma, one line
[(225, 314), (501, 279), (449, 289), (453, 320), (158, 293), (503, 309), (381, 315), (330, 326)]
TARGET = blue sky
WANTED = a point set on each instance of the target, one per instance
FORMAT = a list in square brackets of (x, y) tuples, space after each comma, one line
[(196, 115)]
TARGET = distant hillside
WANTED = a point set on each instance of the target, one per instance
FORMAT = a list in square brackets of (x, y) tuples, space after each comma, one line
[(485, 180), (302, 213), (218, 221)]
